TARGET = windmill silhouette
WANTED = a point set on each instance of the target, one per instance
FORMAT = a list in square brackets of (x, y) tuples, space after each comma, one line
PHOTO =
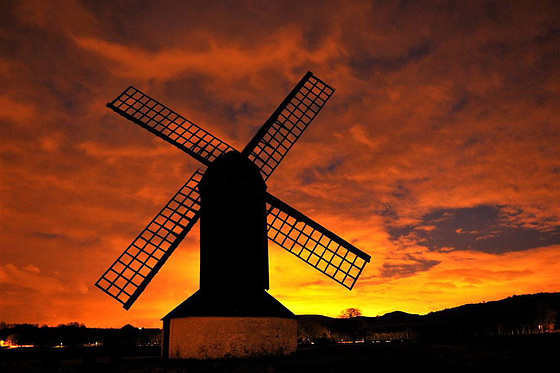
[(238, 216)]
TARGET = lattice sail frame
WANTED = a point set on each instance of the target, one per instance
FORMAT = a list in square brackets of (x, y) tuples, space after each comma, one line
[(314, 244), (284, 127), (129, 275), (170, 126)]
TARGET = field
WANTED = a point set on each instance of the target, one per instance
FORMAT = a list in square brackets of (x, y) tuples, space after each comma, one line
[(530, 353)]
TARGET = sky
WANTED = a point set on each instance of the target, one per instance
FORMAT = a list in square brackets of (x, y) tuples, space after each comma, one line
[(438, 154)]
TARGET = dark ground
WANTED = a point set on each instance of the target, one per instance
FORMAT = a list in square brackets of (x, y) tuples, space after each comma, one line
[(528, 353)]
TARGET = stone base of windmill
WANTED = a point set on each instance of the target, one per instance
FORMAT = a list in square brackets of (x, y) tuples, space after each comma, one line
[(229, 324), (230, 337)]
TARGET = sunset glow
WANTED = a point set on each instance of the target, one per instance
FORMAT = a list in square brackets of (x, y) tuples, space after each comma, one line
[(438, 154)]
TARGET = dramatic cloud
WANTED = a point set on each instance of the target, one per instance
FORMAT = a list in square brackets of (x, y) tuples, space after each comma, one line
[(438, 153), (483, 228)]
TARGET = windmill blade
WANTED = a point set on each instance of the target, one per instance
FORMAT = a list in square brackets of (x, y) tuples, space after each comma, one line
[(279, 133), (313, 243), (129, 275), (167, 124)]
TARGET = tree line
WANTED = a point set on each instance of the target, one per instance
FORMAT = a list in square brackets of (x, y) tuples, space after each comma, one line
[(75, 334)]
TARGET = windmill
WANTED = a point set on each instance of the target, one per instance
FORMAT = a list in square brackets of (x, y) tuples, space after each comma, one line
[(231, 314)]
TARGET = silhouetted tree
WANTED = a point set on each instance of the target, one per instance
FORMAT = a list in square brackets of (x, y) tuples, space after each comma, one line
[(350, 313)]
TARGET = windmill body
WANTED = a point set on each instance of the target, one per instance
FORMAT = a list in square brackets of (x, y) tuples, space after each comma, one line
[(233, 240), (232, 314)]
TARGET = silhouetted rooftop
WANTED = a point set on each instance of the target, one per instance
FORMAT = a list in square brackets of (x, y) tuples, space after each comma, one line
[(230, 304)]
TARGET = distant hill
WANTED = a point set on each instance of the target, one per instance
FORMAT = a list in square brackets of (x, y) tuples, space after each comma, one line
[(524, 314)]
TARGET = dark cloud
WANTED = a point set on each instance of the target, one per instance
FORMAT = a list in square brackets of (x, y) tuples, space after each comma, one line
[(366, 65), (49, 236), (311, 175), (489, 229), (409, 268)]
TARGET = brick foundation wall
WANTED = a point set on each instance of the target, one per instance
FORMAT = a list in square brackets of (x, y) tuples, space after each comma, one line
[(224, 337)]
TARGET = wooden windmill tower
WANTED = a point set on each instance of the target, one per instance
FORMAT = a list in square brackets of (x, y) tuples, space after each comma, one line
[(231, 314)]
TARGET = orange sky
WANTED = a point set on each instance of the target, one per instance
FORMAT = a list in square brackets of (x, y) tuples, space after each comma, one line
[(438, 154)]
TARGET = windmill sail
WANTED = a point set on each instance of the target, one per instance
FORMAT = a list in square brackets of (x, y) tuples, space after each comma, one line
[(138, 264), (279, 133), (170, 126), (313, 243), (129, 275)]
